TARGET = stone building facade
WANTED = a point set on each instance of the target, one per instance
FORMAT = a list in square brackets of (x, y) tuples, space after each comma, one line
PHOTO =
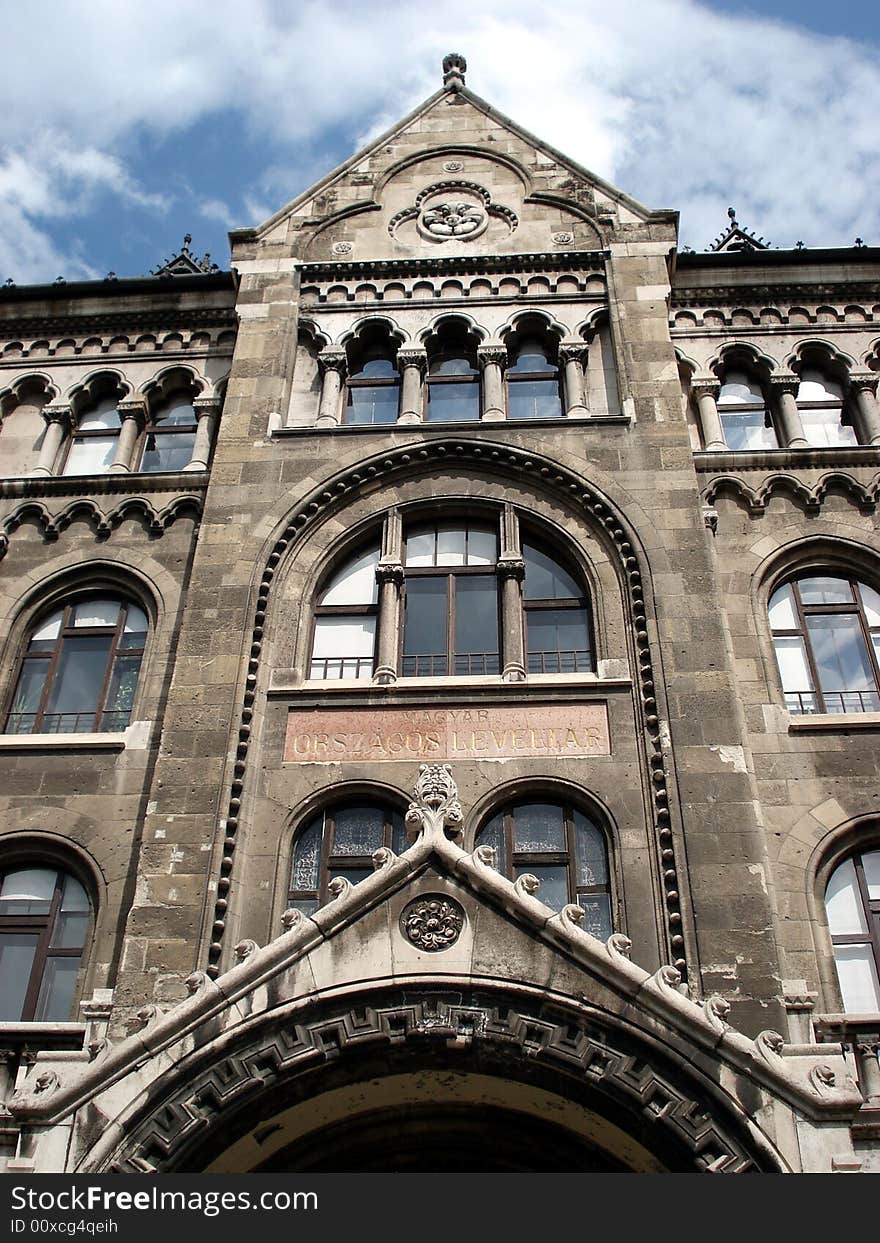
[(440, 683)]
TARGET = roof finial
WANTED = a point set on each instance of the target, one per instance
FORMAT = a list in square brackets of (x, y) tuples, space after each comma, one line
[(454, 69)]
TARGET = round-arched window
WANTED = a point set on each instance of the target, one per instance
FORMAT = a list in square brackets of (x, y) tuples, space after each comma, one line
[(340, 841), (852, 902)]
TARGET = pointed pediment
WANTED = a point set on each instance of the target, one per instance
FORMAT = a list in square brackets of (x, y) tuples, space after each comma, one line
[(735, 238), (454, 177)]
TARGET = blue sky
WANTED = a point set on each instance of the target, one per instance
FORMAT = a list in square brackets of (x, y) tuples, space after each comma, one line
[(125, 125)]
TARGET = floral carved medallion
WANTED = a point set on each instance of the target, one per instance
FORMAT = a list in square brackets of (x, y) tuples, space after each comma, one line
[(452, 219), (433, 922)]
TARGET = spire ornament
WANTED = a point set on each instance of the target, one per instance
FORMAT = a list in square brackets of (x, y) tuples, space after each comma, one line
[(435, 809), (454, 69)]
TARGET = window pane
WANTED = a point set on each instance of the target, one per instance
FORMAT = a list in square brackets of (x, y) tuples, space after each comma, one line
[(31, 680), (532, 356), (476, 624), (748, 430), (95, 613), (546, 580), (120, 693), (843, 902), (482, 547), (871, 602), (823, 427), (172, 451), (93, 456), (343, 647), (791, 655), (424, 631), (27, 891), (355, 583), (420, 548), (45, 635), (178, 412), (871, 865), (538, 827), (597, 914), (399, 839), (782, 612), (452, 364), (104, 414), (55, 1001), (825, 591), (308, 906), (558, 641), (814, 386), (376, 369), (738, 387), (78, 682), (493, 835), (307, 856), (372, 404), (73, 918), (16, 961), (592, 862), (451, 545), (135, 626), (358, 830), (857, 974), (534, 399), (355, 875), (840, 653), (454, 402), (554, 883)]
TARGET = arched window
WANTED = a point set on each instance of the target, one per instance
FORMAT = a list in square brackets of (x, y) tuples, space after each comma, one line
[(93, 444), (44, 922), (533, 382), (453, 379), (344, 641), (743, 413), (820, 403), (557, 616), (340, 841), (451, 621), (79, 670), (852, 901), (170, 434), (564, 848), (826, 632), (373, 392)]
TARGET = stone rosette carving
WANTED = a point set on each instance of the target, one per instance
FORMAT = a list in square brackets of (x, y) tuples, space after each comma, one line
[(453, 209), (452, 220), (341, 248), (432, 923), (453, 166), (563, 238)]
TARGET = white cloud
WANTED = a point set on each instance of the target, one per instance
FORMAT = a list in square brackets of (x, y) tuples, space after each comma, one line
[(683, 106)]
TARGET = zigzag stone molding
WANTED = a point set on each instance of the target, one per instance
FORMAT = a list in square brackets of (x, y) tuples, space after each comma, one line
[(408, 460)]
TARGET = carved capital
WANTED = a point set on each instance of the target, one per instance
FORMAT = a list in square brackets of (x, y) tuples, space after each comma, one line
[(572, 352), (413, 357), (333, 360), (489, 354), (784, 384), (705, 386), (58, 413), (206, 405), (864, 382), (134, 408), (511, 567), (389, 572)]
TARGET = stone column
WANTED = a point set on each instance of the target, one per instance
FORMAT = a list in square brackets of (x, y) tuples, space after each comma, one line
[(389, 576), (868, 1059), (59, 421), (133, 420), (706, 391), (784, 388), (333, 364), (863, 388), (207, 412), (512, 572), (491, 358), (571, 359), (413, 364)]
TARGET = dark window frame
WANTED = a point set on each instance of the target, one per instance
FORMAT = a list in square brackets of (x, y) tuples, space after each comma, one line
[(155, 427), (342, 610), (803, 611), (331, 865), (473, 378), (354, 382), (77, 435), (552, 372), (573, 603), (870, 907), (44, 927), (746, 407)]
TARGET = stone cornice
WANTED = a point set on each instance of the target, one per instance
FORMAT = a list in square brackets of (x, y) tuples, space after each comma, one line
[(110, 319), (554, 261), (765, 293), (134, 484), (707, 462)]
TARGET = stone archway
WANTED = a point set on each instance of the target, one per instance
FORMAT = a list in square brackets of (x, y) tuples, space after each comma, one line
[(316, 1086)]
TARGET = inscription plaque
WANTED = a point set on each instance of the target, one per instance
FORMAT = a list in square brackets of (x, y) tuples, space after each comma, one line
[(437, 734)]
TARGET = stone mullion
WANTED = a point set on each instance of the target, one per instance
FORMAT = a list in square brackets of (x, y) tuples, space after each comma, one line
[(571, 357), (413, 364), (492, 358), (133, 420), (59, 421), (706, 392), (785, 390), (863, 387), (333, 364), (389, 576), (511, 571), (207, 412)]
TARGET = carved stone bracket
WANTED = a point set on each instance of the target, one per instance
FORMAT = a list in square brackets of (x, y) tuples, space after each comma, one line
[(435, 809)]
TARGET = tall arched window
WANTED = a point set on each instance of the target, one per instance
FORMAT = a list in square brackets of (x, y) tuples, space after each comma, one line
[(820, 403), (344, 641), (533, 381), (340, 841), (453, 378), (93, 444), (743, 412), (79, 670), (44, 922), (451, 621), (373, 390), (826, 632), (557, 614), (170, 434), (852, 901), (564, 848)]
